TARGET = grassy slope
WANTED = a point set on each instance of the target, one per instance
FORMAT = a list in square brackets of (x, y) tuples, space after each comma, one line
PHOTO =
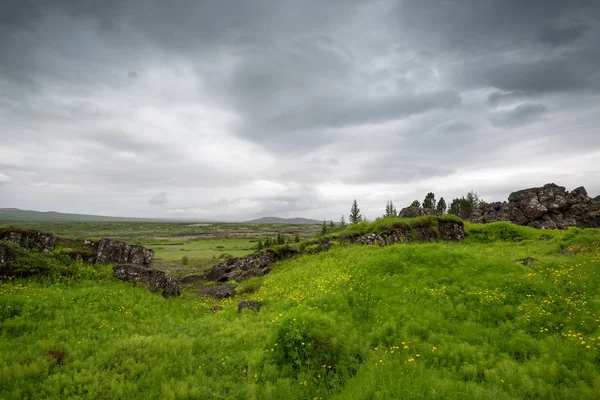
[(442, 320)]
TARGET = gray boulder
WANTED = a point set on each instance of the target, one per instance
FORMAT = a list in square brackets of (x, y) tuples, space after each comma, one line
[(111, 251), (154, 279), (218, 292)]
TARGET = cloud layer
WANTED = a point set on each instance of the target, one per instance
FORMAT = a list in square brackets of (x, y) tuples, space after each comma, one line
[(237, 109)]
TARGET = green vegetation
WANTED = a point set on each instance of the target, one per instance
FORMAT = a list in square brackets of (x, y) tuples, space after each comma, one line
[(364, 228), (355, 216), (135, 232), (413, 321)]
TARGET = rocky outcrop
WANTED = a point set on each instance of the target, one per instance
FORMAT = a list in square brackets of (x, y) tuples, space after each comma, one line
[(106, 251), (426, 230), (111, 251), (218, 292), (547, 207), (247, 267), (413, 212), (43, 242), (154, 279), (403, 233)]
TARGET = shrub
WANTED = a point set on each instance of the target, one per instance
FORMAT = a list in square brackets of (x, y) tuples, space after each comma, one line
[(309, 344)]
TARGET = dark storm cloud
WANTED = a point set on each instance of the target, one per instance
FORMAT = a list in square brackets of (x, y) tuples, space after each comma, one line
[(558, 36), (504, 43)]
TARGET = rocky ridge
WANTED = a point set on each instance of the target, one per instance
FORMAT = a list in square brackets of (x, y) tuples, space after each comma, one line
[(428, 230), (547, 207), (133, 261)]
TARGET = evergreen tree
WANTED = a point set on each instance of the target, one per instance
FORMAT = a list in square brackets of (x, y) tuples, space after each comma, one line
[(461, 207), (390, 210), (429, 201), (474, 200), (259, 246), (415, 204), (355, 216), (331, 225), (441, 206), (297, 238), (343, 222), (324, 228)]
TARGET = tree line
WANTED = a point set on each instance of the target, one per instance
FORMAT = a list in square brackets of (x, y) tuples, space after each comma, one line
[(462, 207)]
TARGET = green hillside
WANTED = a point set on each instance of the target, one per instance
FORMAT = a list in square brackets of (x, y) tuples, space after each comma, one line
[(407, 321)]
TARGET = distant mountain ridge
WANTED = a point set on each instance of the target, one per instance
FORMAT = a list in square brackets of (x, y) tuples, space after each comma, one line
[(16, 214), (288, 221)]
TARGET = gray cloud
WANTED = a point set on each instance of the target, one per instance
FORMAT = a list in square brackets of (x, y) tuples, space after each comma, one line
[(557, 36), (160, 199), (520, 115), (240, 108)]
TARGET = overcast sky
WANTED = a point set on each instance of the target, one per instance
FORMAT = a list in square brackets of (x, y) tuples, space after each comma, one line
[(237, 109)]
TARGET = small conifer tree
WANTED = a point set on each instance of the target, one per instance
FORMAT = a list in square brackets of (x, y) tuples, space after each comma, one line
[(355, 216)]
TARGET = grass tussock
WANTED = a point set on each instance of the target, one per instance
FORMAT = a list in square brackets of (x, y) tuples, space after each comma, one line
[(413, 321)]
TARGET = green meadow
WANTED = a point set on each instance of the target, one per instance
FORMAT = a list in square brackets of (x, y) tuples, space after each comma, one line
[(408, 321)]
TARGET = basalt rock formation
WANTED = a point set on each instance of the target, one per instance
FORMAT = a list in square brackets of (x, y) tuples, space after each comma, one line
[(429, 229), (43, 242), (133, 261), (246, 267), (113, 251), (106, 251), (547, 207), (154, 279), (412, 212)]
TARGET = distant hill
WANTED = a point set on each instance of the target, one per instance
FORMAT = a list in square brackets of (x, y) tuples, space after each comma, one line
[(288, 221), (15, 214)]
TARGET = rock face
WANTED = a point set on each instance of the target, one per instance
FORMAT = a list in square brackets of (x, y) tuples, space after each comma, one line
[(218, 292), (113, 251), (244, 268), (106, 251), (412, 212), (44, 242), (260, 264), (155, 279), (547, 207)]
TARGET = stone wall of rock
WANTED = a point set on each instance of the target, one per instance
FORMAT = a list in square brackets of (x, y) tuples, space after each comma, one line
[(106, 251), (549, 207), (154, 279), (44, 242), (111, 251)]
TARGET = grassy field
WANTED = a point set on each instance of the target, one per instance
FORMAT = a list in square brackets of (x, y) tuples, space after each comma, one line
[(202, 244), (409, 321), (138, 232)]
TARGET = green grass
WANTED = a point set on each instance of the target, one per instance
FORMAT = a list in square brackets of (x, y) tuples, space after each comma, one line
[(164, 231), (378, 225), (201, 250), (410, 321)]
